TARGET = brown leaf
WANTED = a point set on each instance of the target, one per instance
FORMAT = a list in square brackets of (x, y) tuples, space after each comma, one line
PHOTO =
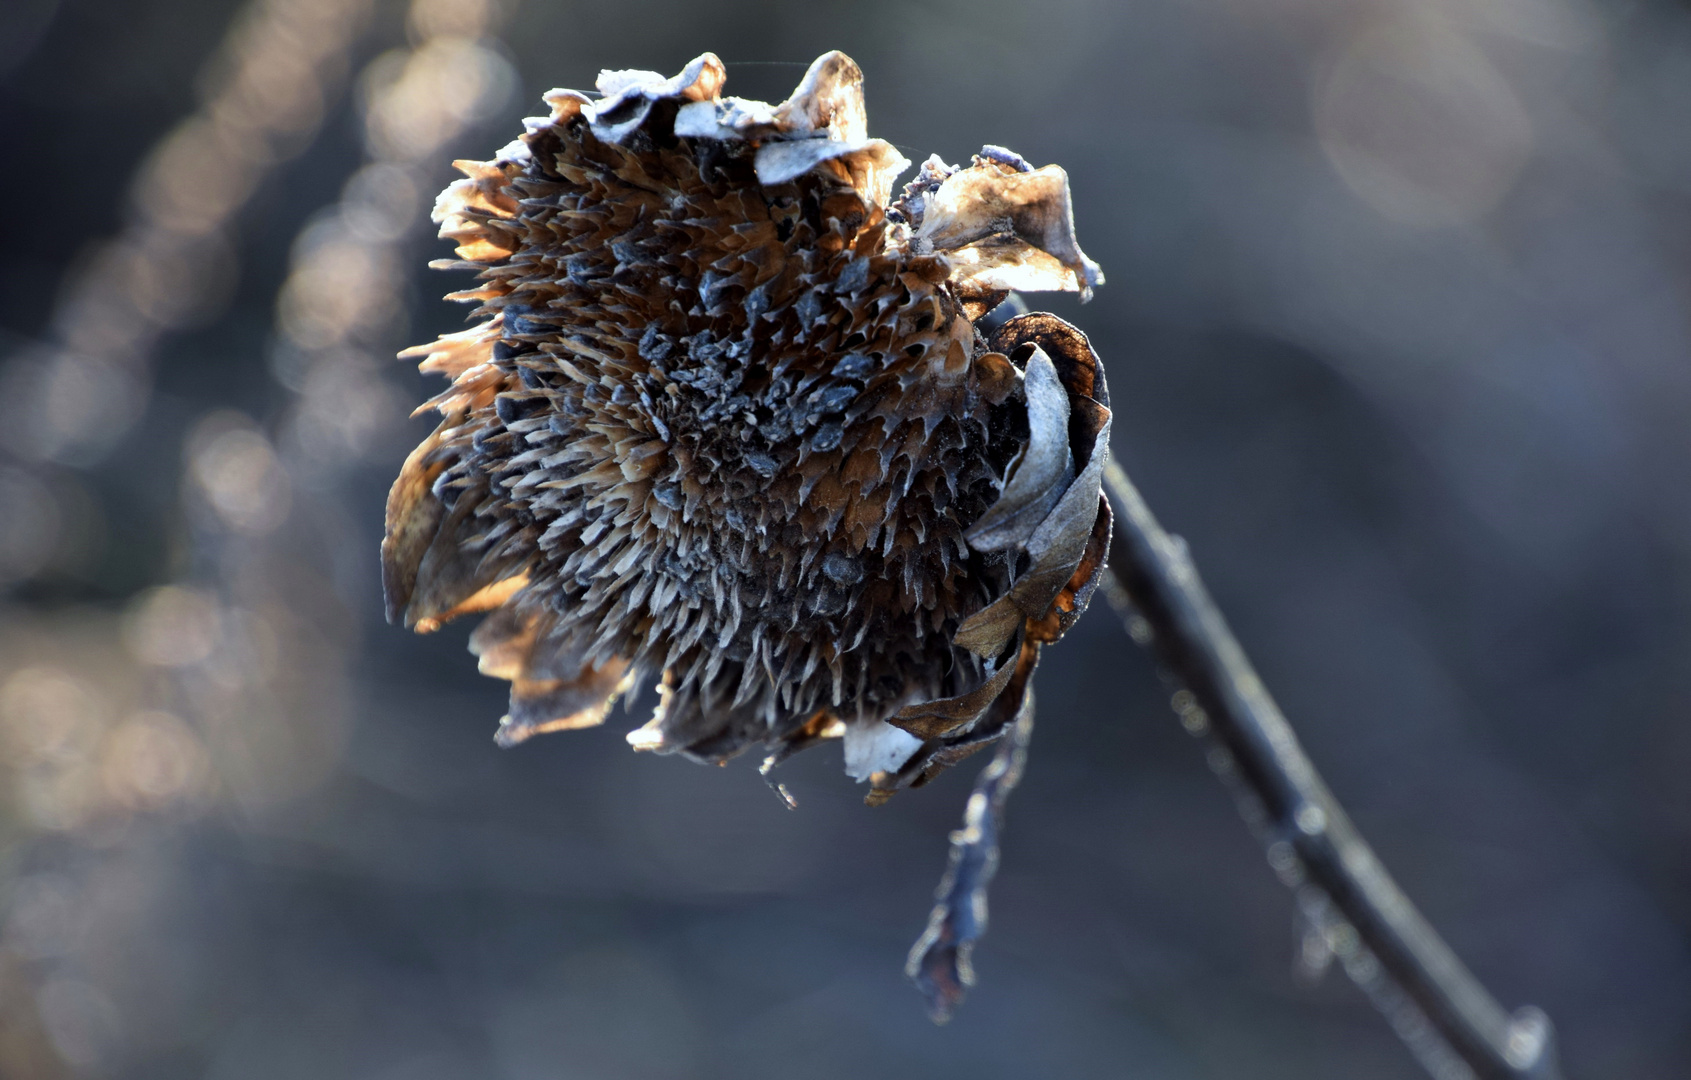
[(543, 705), (1070, 603), (414, 515), (1042, 473), (935, 719), (1069, 349)]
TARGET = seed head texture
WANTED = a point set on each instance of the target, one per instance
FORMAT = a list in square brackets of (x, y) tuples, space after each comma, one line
[(730, 417)]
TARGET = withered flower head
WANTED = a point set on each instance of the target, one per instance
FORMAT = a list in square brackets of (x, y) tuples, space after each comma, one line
[(728, 420)]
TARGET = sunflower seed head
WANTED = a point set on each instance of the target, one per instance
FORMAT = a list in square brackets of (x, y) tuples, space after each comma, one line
[(725, 420)]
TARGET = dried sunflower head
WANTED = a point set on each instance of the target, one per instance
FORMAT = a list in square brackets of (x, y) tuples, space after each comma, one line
[(728, 419)]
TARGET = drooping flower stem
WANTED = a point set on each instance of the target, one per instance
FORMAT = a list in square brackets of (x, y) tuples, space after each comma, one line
[(1355, 911), (939, 961)]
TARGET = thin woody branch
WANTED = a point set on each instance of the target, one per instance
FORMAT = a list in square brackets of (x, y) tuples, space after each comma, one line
[(1454, 1026)]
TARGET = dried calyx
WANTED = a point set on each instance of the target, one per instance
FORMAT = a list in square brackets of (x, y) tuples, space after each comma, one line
[(728, 420)]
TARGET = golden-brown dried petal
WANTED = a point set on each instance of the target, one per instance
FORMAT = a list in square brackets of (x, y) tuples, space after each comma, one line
[(987, 631), (488, 598), (539, 706), (1008, 229), (455, 568), (938, 718), (937, 755), (414, 515), (1071, 602), (829, 98), (553, 688)]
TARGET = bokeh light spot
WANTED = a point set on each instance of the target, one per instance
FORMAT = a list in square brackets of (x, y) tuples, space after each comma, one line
[(1420, 124)]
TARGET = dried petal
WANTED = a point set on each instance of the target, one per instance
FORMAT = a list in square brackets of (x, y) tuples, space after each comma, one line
[(1006, 228), (1044, 470)]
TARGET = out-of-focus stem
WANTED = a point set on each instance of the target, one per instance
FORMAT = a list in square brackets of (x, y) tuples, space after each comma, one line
[(1454, 1026)]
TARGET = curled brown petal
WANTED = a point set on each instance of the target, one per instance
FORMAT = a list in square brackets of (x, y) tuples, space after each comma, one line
[(1042, 473), (543, 705), (938, 718), (1070, 351), (1071, 602)]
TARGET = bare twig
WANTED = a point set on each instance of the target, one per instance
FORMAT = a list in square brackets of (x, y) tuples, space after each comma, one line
[(939, 961), (1352, 906)]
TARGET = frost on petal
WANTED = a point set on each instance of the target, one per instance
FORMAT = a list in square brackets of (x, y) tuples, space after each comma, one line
[(829, 98), (1004, 227), (824, 120), (827, 103), (629, 95), (1040, 475), (875, 746)]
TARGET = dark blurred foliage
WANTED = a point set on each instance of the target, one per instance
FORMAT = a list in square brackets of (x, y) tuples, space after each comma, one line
[(1397, 338)]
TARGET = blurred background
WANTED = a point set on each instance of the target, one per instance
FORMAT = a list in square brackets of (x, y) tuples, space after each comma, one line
[(1397, 335)]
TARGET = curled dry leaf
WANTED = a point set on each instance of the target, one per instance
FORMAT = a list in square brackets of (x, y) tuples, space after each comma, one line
[(726, 419)]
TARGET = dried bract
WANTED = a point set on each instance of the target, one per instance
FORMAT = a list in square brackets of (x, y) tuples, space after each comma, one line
[(727, 420)]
